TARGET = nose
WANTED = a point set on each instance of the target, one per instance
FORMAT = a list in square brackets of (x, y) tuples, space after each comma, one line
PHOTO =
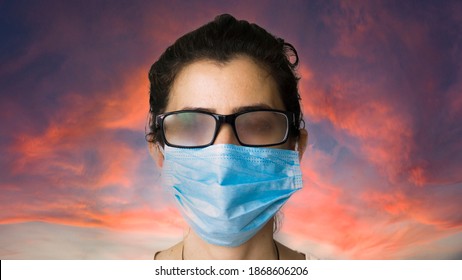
[(226, 135)]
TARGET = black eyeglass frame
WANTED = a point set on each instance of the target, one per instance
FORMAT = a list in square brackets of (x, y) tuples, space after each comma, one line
[(229, 119)]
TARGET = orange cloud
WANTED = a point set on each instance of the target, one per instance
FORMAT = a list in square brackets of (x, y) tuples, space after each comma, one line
[(372, 81), (79, 151), (329, 221), (385, 133), (134, 220), (363, 221), (87, 126)]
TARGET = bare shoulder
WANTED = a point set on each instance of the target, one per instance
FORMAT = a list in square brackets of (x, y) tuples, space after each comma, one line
[(172, 253), (285, 253)]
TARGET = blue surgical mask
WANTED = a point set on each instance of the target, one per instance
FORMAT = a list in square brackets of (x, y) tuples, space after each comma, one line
[(227, 193)]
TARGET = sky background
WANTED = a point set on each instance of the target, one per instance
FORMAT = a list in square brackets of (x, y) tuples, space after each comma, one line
[(381, 90)]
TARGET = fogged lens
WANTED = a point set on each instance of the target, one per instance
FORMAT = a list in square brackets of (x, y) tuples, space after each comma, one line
[(262, 128), (189, 129)]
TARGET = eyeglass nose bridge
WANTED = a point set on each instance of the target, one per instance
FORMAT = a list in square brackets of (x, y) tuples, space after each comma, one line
[(228, 119)]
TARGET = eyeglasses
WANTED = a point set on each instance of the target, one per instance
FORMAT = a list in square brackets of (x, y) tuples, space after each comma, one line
[(196, 129)]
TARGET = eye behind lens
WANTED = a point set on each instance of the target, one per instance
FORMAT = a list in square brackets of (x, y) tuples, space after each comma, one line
[(189, 129), (262, 128)]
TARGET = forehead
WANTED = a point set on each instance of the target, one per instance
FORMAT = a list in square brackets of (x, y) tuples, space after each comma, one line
[(223, 87)]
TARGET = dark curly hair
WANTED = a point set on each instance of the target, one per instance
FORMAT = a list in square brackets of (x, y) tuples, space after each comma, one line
[(222, 40)]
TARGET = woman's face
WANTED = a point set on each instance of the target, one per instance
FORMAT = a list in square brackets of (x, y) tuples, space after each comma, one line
[(225, 88)]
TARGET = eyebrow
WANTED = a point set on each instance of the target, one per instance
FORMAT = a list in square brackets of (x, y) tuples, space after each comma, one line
[(252, 107), (256, 106), (201, 109)]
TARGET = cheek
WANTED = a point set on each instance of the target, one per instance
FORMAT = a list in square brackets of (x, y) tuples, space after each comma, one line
[(288, 145)]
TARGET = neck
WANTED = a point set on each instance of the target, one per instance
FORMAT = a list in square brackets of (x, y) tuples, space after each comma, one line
[(259, 247)]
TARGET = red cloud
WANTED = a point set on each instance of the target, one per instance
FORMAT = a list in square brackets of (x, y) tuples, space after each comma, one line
[(77, 214), (385, 131), (80, 150), (85, 126), (370, 90)]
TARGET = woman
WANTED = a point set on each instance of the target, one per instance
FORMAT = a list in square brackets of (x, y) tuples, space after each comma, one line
[(225, 129)]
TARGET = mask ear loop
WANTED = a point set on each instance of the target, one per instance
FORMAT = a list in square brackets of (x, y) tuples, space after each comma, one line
[(302, 126), (160, 149)]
